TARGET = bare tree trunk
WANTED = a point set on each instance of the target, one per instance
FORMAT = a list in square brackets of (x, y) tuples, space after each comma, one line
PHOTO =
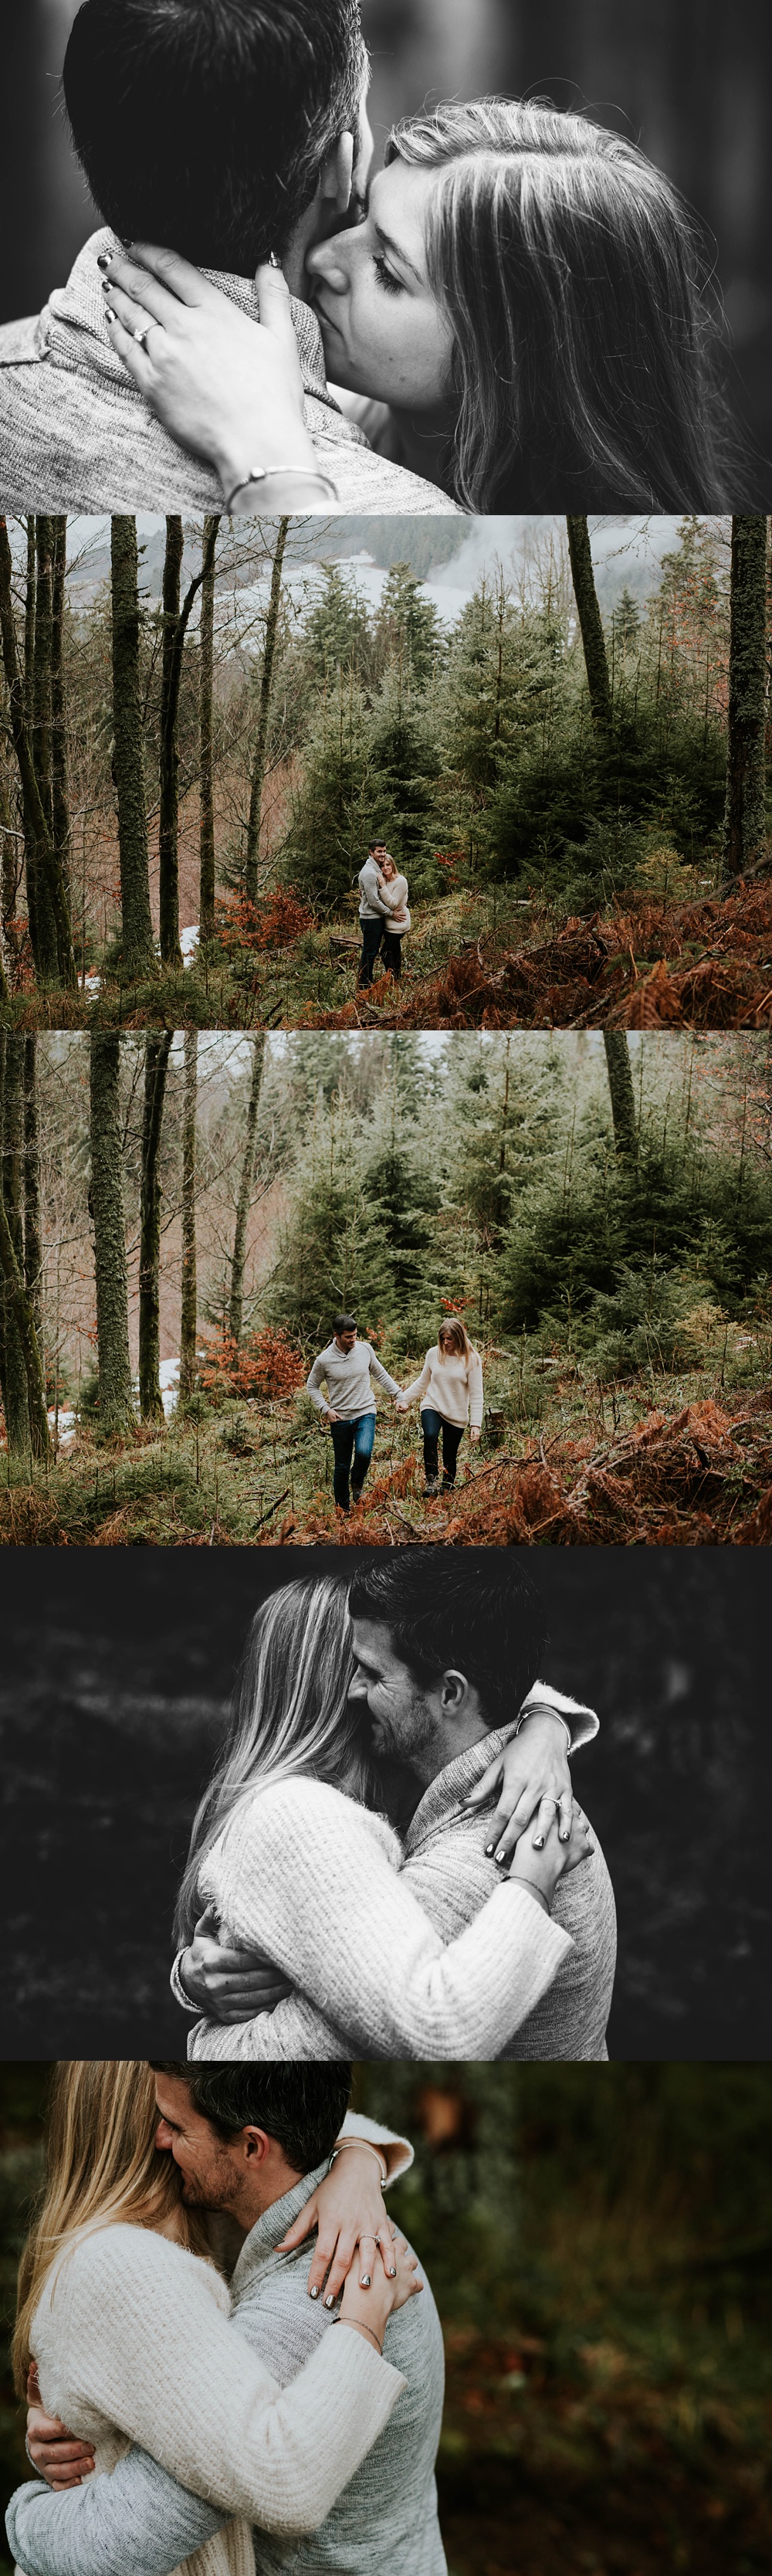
[(29, 655), (206, 702), (620, 1083), (189, 1313), (24, 1394), (176, 620), (169, 816), (260, 759), (590, 624), (128, 762), (116, 1409), (157, 1049), (236, 1301), (49, 918), (33, 1239), (60, 798), (745, 827)]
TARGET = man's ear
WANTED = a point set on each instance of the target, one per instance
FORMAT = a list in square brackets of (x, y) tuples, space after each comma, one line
[(455, 1690), (256, 2145), (337, 176)]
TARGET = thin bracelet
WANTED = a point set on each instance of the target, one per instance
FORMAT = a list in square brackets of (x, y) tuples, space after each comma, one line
[(371, 2151), (359, 2326), (261, 474), (544, 1708)]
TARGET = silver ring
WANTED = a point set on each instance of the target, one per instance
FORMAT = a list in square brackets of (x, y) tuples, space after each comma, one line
[(141, 336)]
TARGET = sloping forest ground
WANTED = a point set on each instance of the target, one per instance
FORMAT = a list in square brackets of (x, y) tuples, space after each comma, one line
[(113, 1702), (476, 960), (607, 2409), (692, 1469)]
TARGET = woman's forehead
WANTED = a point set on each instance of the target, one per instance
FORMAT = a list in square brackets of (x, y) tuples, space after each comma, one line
[(399, 202)]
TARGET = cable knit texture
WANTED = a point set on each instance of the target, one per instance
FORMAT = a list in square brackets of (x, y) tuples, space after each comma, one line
[(133, 2344), (77, 434), (451, 1385), (315, 1880)]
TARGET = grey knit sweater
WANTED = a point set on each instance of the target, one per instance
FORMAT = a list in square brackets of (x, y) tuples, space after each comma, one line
[(76, 433), (140, 2522)]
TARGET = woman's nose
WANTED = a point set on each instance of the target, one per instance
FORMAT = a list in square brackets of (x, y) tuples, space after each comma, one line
[(327, 261)]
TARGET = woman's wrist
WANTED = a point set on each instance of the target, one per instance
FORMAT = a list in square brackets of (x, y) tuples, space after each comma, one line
[(360, 2328)]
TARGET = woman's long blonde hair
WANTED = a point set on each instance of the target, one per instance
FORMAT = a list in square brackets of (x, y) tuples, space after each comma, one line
[(292, 1716), (102, 2164), (454, 1331), (587, 334)]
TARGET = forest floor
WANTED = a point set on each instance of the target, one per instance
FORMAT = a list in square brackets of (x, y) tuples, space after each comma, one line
[(666, 1460), (641, 958)]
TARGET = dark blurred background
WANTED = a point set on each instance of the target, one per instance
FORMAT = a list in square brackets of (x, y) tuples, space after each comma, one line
[(688, 79), (598, 2241), (116, 1672)]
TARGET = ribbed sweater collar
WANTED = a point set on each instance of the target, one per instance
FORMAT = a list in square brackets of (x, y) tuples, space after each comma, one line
[(447, 1792), (268, 2231), (72, 327)]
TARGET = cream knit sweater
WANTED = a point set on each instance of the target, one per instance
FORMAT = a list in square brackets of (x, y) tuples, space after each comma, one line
[(314, 1879), (133, 2344), (450, 1385)]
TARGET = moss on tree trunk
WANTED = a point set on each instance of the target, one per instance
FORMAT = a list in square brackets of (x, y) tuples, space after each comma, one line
[(620, 1083), (236, 1302), (33, 1240), (189, 1306), (169, 761), (590, 624), (745, 813), (260, 757), (128, 762), (47, 905), (206, 757), (116, 1411), (157, 1049)]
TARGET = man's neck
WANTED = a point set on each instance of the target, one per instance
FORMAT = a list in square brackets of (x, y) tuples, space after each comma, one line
[(422, 443), (445, 1745), (255, 2199)]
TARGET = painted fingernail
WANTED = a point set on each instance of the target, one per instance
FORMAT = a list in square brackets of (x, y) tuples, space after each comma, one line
[(538, 1842), (489, 1851), (564, 1837), (364, 2280), (102, 259), (392, 2271), (314, 2293), (329, 2303)]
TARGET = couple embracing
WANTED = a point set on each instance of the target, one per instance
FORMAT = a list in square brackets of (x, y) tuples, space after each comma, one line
[(449, 1391), (185, 2429), (515, 313), (389, 1861)]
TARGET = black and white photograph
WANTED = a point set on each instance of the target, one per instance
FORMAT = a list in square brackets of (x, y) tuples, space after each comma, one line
[(406, 1802), (423, 261)]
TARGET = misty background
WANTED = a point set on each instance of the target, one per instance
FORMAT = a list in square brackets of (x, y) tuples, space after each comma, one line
[(689, 80), (116, 1677)]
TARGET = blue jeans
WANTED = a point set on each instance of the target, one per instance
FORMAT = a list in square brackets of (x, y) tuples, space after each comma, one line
[(452, 1435), (351, 1440)]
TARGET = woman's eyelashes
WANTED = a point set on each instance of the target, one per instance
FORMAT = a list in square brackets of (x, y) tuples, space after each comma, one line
[(385, 275)]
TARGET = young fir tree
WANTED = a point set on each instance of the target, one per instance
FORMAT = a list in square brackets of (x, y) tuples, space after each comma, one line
[(404, 1200), (407, 630), (331, 1254), (326, 841), (404, 768), (336, 632), (745, 829)]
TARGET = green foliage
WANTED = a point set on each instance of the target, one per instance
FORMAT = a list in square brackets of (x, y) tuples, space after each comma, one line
[(407, 628), (403, 769)]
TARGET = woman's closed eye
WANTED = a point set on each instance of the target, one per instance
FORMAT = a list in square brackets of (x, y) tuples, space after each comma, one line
[(385, 275)]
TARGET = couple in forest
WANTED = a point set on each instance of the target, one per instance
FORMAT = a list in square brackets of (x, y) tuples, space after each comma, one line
[(383, 914), (449, 1390), (514, 314)]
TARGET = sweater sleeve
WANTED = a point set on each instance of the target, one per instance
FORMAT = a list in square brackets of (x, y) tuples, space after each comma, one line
[(149, 2348), (475, 1391), (378, 1371), (420, 1384), (358, 1944), (314, 1385), (582, 1721)]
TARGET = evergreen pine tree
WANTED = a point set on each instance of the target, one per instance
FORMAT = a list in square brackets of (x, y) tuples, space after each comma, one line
[(327, 837), (407, 628), (401, 785)]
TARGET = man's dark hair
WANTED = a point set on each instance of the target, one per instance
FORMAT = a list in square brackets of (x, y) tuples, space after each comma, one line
[(478, 1614), (204, 125), (378, 844), (301, 2103), (345, 1324)]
